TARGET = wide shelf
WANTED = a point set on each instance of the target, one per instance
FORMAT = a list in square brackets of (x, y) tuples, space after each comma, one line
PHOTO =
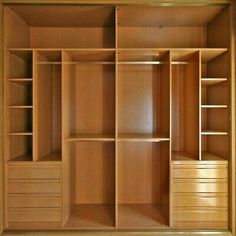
[(214, 106), (141, 216), (91, 216), (208, 156), (183, 156), (212, 81), (90, 137), (213, 132), (22, 158), (142, 138)]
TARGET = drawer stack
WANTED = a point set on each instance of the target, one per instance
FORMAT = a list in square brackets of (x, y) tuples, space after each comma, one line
[(200, 193), (34, 196)]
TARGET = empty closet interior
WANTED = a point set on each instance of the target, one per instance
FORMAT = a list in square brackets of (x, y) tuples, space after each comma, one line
[(114, 96)]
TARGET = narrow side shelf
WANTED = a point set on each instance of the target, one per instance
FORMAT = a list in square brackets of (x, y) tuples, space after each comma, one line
[(22, 158), (54, 156), (212, 81), (213, 132), (208, 156), (183, 156)]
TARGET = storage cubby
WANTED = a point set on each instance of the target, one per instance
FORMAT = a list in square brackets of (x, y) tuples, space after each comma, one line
[(48, 105), (89, 95), (155, 27), (20, 148), (92, 184), (143, 189), (143, 95), (185, 105), (19, 64)]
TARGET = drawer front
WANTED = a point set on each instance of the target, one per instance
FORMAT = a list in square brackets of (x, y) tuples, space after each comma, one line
[(219, 214), (200, 200), (34, 172), (199, 173), (200, 186), (34, 186), (34, 200), (34, 215)]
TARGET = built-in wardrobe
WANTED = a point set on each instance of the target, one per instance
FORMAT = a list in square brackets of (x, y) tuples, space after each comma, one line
[(118, 117)]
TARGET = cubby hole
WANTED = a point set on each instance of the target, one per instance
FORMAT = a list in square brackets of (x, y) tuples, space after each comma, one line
[(89, 95), (143, 189), (48, 103), (20, 148), (171, 27), (19, 64), (143, 96), (60, 26), (185, 105), (92, 184), (20, 120), (20, 94), (215, 147)]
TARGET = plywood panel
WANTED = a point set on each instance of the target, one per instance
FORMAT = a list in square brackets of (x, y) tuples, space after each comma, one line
[(94, 175), (139, 173)]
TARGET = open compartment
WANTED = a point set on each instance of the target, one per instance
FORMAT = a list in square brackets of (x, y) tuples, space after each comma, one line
[(92, 184), (89, 95), (185, 104), (19, 64), (143, 89), (48, 105), (172, 27), (143, 184), (20, 148), (215, 147), (20, 121), (58, 26)]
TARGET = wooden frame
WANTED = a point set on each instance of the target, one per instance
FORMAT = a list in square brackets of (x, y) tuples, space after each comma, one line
[(232, 123)]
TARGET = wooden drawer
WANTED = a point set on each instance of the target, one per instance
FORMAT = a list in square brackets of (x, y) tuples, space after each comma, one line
[(34, 214), (200, 200), (200, 214), (199, 171), (34, 172), (34, 200), (34, 186), (200, 186)]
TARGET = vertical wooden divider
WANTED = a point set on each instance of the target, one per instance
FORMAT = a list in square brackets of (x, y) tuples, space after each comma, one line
[(170, 143), (200, 102), (35, 107), (116, 116)]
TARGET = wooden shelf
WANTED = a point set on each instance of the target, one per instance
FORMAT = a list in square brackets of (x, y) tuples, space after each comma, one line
[(209, 54), (214, 106), (20, 107), (22, 158), (207, 156), (183, 156), (212, 81), (54, 156), (140, 216), (212, 132), (141, 138), (91, 137), (91, 216), (20, 133)]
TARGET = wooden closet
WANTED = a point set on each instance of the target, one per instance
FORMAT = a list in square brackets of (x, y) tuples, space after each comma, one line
[(119, 117)]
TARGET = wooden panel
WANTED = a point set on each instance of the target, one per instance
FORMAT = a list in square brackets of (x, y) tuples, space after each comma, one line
[(16, 31), (34, 200), (200, 186), (94, 173), (34, 215), (201, 225), (72, 37), (34, 186), (185, 107), (34, 172), (161, 37), (34, 225), (188, 214), (139, 173), (200, 173), (91, 95)]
